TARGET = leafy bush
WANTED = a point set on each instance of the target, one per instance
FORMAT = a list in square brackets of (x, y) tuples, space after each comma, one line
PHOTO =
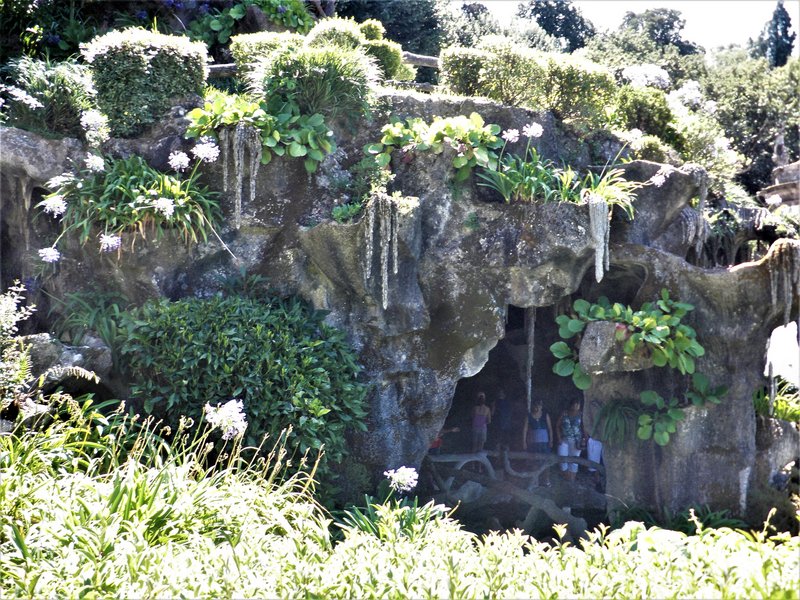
[(15, 364), (576, 89), (344, 33), (330, 81), (460, 70), (787, 402), (473, 141), (512, 74), (645, 109), (49, 97), (281, 128), (387, 54), (248, 48), (653, 148), (138, 74), (372, 29), (364, 180), (291, 14), (109, 197), (277, 356)]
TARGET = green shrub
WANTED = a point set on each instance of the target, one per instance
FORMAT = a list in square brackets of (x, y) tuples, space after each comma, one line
[(138, 74), (787, 402), (277, 356), (49, 97), (344, 33), (512, 74), (575, 89), (460, 70), (292, 14), (248, 48), (650, 147), (388, 55), (330, 81), (645, 109), (372, 29)]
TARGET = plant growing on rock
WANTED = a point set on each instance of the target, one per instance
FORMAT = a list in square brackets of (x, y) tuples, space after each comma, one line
[(656, 328), (108, 197), (473, 141)]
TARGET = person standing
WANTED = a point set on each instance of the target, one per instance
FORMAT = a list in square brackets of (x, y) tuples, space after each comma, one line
[(537, 435), (481, 417), (569, 436)]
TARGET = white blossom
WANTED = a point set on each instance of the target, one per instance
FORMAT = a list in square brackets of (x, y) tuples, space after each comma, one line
[(207, 151), (166, 206), (109, 243), (511, 135), (689, 94), (95, 163), (533, 130), (179, 161), (54, 205), (49, 255), (403, 479), (95, 126), (229, 417), (773, 201), (646, 75), (23, 97), (59, 181)]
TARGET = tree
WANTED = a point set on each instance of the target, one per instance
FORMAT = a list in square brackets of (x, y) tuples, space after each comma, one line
[(559, 19), (775, 42), (663, 26)]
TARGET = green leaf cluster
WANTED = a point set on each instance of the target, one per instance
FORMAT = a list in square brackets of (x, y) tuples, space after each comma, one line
[(282, 129), (786, 405), (473, 141), (138, 74), (277, 356)]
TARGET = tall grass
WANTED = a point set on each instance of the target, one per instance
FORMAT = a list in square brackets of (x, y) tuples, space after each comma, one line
[(94, 505)]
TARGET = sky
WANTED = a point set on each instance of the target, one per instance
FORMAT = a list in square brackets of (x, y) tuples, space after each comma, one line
[(710, 23)]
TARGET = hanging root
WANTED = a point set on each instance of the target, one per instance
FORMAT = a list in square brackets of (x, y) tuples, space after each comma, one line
[(530, 321), (599, 217), (784, 274)]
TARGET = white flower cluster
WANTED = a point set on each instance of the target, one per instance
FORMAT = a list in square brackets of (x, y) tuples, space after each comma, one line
[(142, 40), (21, 96), (49, 255), (403, 479), (59, 180), (166, 206), (689, 95), (207, 150), (773, 201), (229, 417), (109, 243), (511, 135), (533, 130), (95, 127), (95, 163), (646, 75), (178, 161), (55, 205)]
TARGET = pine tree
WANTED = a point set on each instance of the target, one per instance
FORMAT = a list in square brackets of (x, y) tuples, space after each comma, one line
[(778, 37)]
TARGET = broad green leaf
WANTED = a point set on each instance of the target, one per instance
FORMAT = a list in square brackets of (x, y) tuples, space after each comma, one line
[(561, 350)]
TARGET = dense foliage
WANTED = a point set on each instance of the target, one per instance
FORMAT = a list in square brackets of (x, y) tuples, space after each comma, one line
[(288, 367), (559, 19)]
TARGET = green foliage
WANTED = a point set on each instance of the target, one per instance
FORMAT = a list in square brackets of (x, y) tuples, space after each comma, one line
[(576, 89), (249, 48), (53, 96), (372, 29), (393, 521), (652, 148), (387, 54), (291, 14), (288, 367), (15, 361), (331, 81), (690, 521), (559, 19), (364, 180), (129, 196), (777, 39), (282, 129), (82, 312), (473, 141), (645, 109), (138, 74), (344, 213), (344, 33), (786, 405), (461, 70), (657, 329), (663, 26)]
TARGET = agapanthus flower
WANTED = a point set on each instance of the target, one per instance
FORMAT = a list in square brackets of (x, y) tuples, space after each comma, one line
[(511, 135), (179, 161), (533, 130), (54, 205), (207, 151), (59, 180), (95, 163), (23, 97), (773, 201), (646, 75), (109, 243), (229, 417), (49, 255), (166, 206), (95, 126), (403, 479)]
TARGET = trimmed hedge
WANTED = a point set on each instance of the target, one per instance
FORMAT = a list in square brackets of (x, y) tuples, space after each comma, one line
[(372, 29), (387, 54), (249, 48), (572, 88), (139, 73), (345, 33)]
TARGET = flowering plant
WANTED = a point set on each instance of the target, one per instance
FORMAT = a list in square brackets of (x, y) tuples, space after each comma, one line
[(229, 417), (127, 195)]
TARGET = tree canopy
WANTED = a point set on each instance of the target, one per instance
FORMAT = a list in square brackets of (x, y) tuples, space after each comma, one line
[(559, 19)]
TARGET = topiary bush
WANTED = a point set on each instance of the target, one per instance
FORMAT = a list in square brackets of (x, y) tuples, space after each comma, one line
[(645, 109), (388, 55), (330, 81), (460, 70), (249, 48), (277, 356), (49, 97), (345, 33), (139, 73), (372, 29)]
